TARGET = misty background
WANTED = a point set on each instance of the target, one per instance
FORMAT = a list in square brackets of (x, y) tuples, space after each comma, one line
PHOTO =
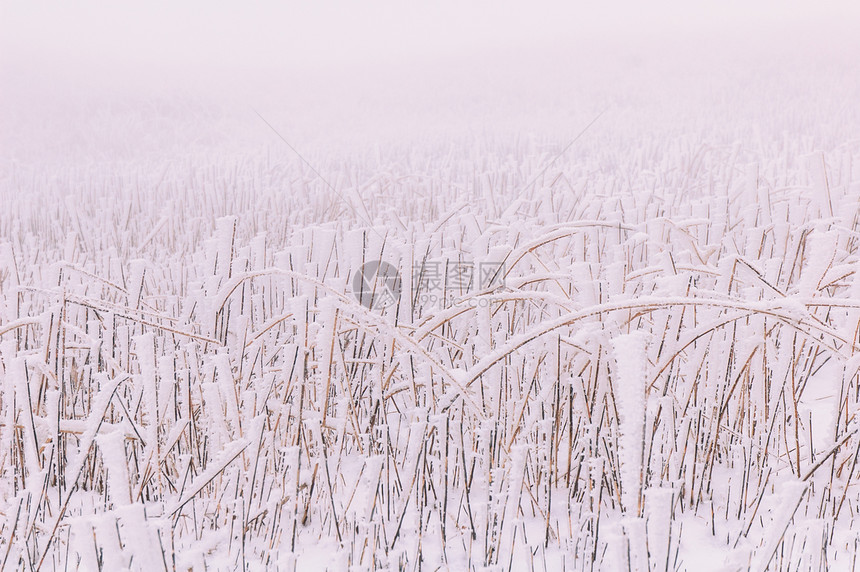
[(96, 80)]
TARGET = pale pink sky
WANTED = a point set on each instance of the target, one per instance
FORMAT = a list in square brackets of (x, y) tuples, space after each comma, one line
[(319, 34), (337, 69)]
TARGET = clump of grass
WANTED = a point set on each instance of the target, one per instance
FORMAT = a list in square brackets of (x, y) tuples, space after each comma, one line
[(195, 386)]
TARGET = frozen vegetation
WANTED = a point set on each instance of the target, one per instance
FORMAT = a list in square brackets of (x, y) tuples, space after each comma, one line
[(663, 376)]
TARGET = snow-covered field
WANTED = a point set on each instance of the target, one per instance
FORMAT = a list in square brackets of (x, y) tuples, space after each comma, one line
[(624, 334)]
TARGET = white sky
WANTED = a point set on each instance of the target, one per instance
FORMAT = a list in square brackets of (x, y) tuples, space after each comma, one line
[(319, 34), (362, 64)]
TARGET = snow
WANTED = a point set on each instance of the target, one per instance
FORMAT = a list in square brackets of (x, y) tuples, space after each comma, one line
[(665, 378)]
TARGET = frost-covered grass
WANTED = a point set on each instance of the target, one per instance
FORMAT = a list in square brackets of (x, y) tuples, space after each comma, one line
[(667, 379)]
